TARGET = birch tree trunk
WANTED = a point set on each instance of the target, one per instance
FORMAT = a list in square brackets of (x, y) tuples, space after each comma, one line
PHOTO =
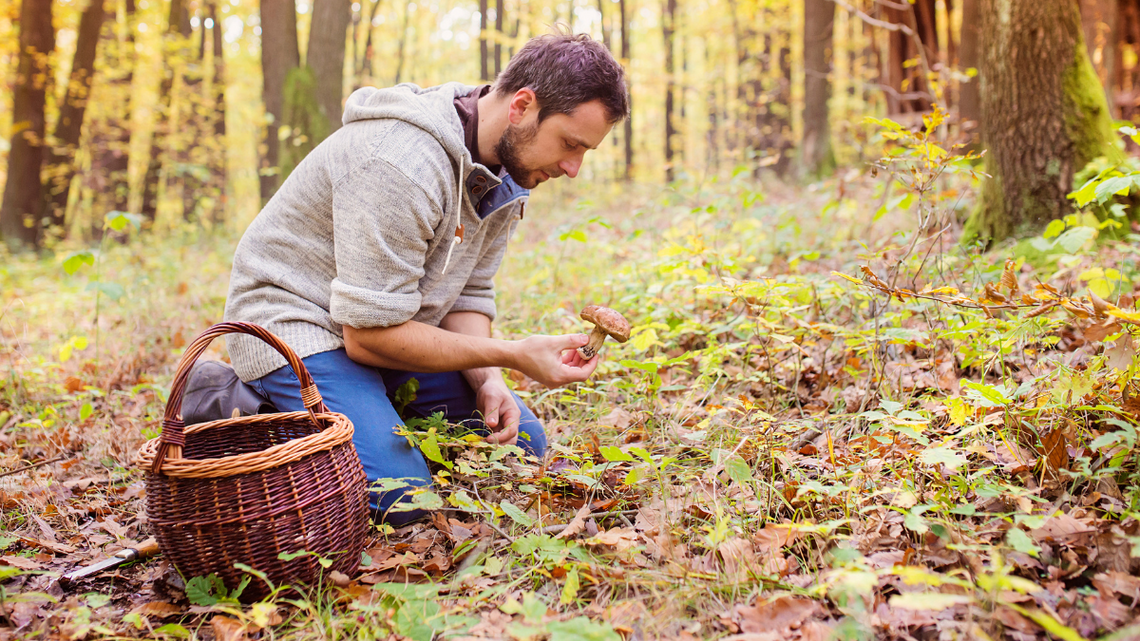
[(23, 191), (1044, 115)]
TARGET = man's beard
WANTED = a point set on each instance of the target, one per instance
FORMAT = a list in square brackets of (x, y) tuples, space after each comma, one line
[(509, 147)]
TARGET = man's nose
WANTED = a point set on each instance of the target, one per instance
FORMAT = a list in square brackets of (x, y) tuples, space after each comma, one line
[(571, 166)]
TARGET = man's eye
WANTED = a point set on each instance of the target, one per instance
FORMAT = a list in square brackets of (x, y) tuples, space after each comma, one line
[(568, 145)]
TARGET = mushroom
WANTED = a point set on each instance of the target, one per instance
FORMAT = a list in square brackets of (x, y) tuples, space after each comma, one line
[(607, 322)]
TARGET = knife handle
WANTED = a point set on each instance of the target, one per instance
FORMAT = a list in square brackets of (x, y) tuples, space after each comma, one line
[(146, 549)]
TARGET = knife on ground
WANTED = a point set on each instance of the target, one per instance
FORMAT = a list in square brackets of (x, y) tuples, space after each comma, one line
[(147, 548)]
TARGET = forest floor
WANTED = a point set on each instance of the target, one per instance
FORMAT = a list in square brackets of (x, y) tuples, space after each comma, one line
[(826, 425)]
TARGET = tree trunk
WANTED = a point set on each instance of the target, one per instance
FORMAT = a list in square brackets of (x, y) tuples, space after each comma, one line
[(218, 156), (173, 43), (917, 43), (817, 157), (366, 69), (23, 191), (111, 143), (969, 104), (607, 25), (1044, 115), (667, 23), (484, 52), (325, 56), (1099, 20), (627, 125), (60, 161), (279, 55), (400, 48), (500, 9)]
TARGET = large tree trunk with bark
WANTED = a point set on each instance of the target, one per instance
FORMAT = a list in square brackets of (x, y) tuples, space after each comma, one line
[(23, 191), (1044, 115), (325, 56), (279, 55), (817, 156), (59, 168)]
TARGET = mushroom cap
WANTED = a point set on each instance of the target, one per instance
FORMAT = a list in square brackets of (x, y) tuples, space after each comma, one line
[(608, 320)]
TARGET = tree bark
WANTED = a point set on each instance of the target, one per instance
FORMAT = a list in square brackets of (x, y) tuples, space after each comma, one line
[(111, 143), (484, 52), (817, 156), (325, 56), (23, 191), (218, 156), (1099, 19), (173, 43), (1044, 115), (969, 103), (910, 91), (279, 55), (627, 124), (667, 24), (500, 9), (366, 68), (60, 162)]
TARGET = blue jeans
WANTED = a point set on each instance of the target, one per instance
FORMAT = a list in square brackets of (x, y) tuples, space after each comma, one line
[(364, 394)]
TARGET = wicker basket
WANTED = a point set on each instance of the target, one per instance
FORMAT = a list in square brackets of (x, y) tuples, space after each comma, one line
[(249, 489)]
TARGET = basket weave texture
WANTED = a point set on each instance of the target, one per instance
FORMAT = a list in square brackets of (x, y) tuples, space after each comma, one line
[(249, 489)]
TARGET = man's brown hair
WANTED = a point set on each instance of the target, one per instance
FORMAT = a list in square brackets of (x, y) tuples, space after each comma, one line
[(565, 70)]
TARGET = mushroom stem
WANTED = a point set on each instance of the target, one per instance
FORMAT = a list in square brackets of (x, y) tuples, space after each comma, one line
[(597, 337)]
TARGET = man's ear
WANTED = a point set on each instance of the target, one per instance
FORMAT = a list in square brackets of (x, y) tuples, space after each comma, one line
[(523, 102)]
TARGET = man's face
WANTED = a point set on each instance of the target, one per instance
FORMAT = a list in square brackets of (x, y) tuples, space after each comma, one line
[(534, 152)]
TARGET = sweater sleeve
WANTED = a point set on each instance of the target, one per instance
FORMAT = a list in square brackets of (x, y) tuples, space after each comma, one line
[(382, 226)]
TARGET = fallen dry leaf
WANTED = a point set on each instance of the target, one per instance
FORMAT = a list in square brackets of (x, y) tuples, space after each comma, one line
[(157, 609), (775, 615), (576, 525), (20, 562), (227, 629)]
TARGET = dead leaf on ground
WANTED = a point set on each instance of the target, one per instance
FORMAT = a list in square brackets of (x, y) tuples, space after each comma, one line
[(20, 562), (775, 615), (1061, 528), (227, 629), (157, 609), (577, 525)]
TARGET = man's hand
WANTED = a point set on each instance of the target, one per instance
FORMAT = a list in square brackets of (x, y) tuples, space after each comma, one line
[(500, 413), (554, 360)]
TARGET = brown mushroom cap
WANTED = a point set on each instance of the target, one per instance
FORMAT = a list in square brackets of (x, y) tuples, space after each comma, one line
[(608, 320)]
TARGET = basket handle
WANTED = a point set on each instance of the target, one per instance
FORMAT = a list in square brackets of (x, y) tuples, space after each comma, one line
[(173, 437)]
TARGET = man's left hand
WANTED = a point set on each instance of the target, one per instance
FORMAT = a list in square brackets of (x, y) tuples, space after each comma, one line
[(500, 413)]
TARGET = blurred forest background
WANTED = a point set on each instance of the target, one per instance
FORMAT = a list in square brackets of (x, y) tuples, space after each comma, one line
[(192, 111)]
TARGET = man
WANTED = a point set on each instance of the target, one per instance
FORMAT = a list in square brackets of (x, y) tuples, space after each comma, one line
[(374, 260)]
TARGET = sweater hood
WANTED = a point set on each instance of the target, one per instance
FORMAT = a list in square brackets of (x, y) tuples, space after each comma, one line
[(431, 109)]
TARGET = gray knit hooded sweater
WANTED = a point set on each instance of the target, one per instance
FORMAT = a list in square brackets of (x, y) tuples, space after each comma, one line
[(362, 232)]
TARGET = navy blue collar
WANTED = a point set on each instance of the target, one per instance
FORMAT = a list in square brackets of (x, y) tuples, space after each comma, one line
[(488, 193)]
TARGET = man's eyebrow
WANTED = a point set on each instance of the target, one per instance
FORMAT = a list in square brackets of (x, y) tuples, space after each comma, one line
[(578, 141)]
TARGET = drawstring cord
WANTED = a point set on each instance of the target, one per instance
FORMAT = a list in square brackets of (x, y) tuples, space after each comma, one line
[(458, 221)]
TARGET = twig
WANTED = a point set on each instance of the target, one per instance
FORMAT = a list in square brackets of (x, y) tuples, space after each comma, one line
[(558, 527), (32, 466)]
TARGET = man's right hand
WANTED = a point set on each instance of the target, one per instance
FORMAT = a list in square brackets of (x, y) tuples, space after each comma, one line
[(554, 360), (416, 347)]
